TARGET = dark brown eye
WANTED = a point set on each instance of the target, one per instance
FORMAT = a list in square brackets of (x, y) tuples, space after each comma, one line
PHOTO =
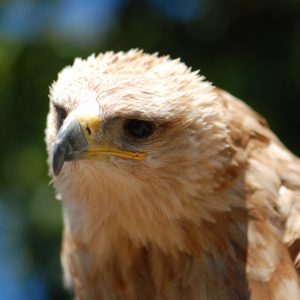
[(61, 114), (139, 129)]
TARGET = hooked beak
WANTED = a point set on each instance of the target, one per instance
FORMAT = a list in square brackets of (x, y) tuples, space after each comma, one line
[(70, 144), (78, 138)]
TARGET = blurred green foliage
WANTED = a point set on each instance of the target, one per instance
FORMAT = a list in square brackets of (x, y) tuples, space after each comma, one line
[(250, 48)]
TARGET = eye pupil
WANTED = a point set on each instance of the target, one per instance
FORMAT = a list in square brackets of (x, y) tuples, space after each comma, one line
[(138, 128)]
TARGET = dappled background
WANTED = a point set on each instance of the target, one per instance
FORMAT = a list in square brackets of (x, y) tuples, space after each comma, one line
[(250, 48)]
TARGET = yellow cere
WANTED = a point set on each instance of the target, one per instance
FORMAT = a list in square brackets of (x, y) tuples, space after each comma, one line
[(89, 124)]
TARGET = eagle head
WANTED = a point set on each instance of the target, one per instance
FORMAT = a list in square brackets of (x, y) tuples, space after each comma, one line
[(135, 144)]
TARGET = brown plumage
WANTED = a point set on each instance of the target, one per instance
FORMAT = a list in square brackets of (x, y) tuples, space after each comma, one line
[(171, 188)]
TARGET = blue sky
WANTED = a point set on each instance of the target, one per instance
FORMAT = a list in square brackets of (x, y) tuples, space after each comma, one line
[(81, 21)]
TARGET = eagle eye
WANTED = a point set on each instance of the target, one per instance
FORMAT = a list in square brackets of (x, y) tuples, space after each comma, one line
[(139, 129), (61, 114)]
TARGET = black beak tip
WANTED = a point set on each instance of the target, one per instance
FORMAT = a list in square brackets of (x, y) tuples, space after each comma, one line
[(58, 159)]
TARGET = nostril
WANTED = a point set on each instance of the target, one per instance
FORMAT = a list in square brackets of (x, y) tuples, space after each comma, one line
[(88, 130)]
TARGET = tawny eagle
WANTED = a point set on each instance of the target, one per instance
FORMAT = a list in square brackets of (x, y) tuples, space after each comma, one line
[(172, 189)]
